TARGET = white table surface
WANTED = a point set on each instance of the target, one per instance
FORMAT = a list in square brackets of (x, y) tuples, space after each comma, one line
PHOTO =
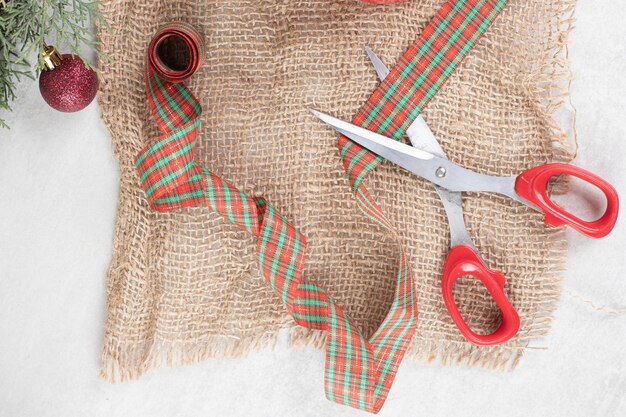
[(58, 195)]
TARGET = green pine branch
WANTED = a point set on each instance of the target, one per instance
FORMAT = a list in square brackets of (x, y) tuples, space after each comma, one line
[(25, 25)]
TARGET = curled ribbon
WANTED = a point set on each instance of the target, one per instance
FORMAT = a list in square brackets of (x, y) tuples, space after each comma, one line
[(358, 372)]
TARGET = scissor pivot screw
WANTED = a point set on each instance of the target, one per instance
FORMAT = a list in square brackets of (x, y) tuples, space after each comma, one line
[(441, 172)]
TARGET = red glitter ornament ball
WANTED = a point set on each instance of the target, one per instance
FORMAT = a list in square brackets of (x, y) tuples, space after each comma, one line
[(70, 86)]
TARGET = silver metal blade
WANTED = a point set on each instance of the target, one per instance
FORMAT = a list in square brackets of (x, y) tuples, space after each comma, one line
[(418, 132), (381, 69), (373, 141), (422, 137)]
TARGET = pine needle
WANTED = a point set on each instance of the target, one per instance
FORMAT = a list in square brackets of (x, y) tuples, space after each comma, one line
[(24, 27)]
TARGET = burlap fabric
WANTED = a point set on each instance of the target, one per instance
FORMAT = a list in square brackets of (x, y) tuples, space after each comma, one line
[(184, 286)]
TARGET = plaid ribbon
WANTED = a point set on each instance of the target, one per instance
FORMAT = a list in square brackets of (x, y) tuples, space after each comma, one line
[(359, 371)]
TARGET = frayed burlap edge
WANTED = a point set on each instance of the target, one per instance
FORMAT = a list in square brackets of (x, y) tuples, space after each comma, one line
[(552, 87)]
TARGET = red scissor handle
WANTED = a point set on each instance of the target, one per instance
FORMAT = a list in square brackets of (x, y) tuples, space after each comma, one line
[(531, 186), (463, 261)]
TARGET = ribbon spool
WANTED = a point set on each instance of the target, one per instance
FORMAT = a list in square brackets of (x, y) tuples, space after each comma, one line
[(175, 52)]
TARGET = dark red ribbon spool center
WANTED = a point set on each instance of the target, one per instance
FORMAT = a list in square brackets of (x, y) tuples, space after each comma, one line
[(174, 54)]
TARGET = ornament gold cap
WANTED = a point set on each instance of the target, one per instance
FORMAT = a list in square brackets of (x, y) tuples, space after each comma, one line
[(51, 57)]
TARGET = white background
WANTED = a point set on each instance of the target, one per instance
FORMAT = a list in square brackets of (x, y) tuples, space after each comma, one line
[(58, 194)]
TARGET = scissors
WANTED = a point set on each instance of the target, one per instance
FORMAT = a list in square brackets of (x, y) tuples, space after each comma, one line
[(426, 159)]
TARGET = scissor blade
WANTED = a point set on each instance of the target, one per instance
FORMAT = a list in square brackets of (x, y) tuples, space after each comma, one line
[(419, 132), (379, 144), (381, 69), (422, 137)]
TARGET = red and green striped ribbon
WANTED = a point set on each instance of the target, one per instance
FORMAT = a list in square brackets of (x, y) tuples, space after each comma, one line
[(359, 371)]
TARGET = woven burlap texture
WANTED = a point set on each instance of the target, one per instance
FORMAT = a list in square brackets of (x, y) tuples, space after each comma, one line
[(184, 286)]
